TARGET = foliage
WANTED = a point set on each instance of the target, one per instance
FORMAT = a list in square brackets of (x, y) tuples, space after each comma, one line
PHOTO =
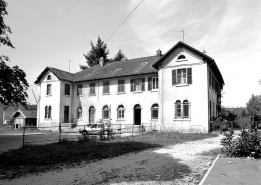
[(119, 56), (254, 105), (12, 80), (4, 29), (248, 144), (96, 52)]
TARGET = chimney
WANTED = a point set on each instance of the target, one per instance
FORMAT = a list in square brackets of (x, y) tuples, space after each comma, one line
[(159, 53), (101, 61), (204, 52)]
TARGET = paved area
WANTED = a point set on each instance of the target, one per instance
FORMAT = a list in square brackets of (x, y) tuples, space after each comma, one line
[(234, 171)]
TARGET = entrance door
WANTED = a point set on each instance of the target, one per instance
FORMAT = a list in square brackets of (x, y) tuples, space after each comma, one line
[(137, 114), (66, 114), (91, 115)]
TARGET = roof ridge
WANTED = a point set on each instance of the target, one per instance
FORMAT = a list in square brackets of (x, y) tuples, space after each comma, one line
[(61, 70)]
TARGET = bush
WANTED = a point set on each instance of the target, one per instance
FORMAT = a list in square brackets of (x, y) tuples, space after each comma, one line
[(248, 144)]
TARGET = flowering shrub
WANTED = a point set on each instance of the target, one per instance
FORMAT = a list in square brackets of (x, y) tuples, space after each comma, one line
[(248, 144)]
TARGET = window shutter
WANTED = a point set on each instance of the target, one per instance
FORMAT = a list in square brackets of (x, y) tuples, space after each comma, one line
[(132, 85), (149, 83), (189, 75), (143, 84), (174, 77), (118, 86)]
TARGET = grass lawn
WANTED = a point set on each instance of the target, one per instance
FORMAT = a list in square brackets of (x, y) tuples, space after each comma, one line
[(40, 158)]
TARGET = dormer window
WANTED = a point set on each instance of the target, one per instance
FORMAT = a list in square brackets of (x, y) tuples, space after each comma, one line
[(181, 57)]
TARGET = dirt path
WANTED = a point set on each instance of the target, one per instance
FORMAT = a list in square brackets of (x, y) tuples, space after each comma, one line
[(178, 164)]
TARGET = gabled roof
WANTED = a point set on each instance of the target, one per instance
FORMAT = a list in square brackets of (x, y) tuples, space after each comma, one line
[(60, 74), (122, 68), (210, 61), (26, 113)]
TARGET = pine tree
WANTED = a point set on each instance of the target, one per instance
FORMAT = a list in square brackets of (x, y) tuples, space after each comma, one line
[(96, 52), (119, 56)]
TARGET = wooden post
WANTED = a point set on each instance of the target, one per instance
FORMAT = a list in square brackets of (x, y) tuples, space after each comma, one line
[(84, 132), (132, 129)]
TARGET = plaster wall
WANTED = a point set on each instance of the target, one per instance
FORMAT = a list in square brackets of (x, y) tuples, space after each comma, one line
[(128, 99), (52, 100), (196, 93)]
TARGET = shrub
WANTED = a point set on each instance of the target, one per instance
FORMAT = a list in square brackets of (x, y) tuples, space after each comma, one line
[(248, 144)]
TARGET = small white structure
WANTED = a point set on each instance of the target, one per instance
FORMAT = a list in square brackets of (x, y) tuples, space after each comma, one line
[(180, 90)]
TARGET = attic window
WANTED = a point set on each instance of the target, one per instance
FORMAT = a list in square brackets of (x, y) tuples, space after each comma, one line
[(49, 77), (181, 57), (143, 63), (118, 69)]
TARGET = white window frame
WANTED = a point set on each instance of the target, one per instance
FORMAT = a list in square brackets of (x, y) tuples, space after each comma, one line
[(50, 92), (155, 83), (182, 113), (120, 112)]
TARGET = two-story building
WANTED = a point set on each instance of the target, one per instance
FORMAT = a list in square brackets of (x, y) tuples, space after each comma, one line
[(180, 90)]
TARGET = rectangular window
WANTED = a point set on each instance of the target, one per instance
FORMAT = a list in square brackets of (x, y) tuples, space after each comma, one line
[(105, 114), (67, 89), (79, 90), (154, 113), (155, 83), (106, 86), (92, 88), (121, 86), (49, 89), (138, 85), (182, 76)]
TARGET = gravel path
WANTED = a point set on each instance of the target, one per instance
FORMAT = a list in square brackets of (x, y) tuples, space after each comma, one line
[(183, 163)]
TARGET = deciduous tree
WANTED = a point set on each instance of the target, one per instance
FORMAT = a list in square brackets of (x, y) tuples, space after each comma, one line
[(13, 84), (254, 105)]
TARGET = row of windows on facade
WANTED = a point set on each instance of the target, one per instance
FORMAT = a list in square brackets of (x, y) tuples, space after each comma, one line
[(213, 82), (182, 111), (105, 112), (135, 85)]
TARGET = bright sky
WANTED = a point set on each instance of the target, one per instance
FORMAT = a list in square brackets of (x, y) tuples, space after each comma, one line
[(50, 33)]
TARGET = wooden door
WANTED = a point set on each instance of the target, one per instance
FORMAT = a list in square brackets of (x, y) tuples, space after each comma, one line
[(66, 114)]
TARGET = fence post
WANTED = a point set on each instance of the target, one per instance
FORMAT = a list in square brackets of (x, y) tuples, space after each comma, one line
[(120, 130), (141, 128), (132, 129), (60, 132), (23, 135)]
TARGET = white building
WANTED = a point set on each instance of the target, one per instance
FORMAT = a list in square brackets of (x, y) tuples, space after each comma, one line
[(180, 90)]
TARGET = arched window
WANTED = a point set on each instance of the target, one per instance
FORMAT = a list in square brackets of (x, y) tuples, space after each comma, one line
[(79, 113), (120, 112), (178, 109), (105, 112), (49, 77), (154, 111), (46, 112), (50, 112), (185, 109), (181, 57)]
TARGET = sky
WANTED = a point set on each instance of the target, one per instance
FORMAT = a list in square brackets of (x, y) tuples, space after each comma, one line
[(49, 33)]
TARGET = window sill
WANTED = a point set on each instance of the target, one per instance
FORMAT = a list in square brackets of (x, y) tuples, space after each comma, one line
[(66, 95), (154, 119), (47, 119), (181, 119), (134, 92), (121, 93), (181, 60), (79, 95), (121, 119), (48, 95), (154, 90), (105, 93), (181, 85), (92, 94), (80, 119)]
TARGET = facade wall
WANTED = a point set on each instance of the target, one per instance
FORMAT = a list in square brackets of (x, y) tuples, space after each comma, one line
[(195, 93), (52, 100), (128, 99), (11, 109)]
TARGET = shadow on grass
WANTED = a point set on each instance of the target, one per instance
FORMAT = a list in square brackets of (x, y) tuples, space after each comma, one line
[(42, 158)]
